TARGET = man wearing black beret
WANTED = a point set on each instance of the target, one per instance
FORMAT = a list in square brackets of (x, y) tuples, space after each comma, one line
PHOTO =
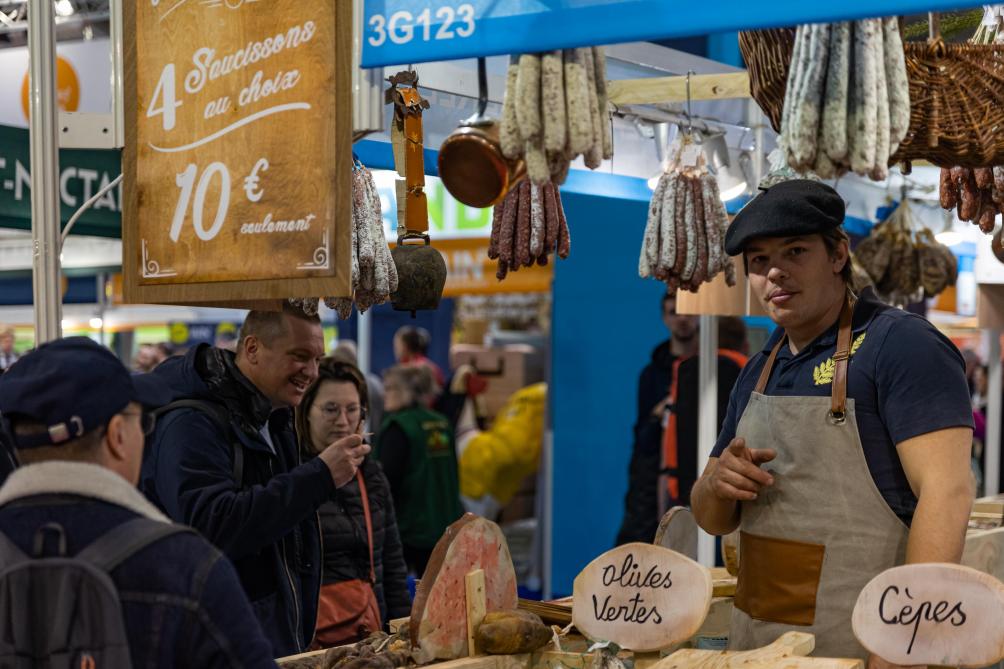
[(846, 446)]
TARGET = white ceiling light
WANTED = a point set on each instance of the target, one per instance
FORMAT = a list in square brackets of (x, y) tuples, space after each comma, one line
[(64, 8), (730, 173)]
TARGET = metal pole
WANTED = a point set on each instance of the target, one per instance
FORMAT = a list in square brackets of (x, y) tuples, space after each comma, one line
[(365, 344), (992, 445), (118, 60), (44, 171), (707, 419)]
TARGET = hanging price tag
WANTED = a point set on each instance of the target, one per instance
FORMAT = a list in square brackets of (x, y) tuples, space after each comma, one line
[(690, 155)]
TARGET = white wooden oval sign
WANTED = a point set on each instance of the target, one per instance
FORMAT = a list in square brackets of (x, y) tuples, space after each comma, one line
[(939, 614), (641, 597)]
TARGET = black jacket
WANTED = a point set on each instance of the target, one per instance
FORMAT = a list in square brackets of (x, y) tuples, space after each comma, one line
[(641, 503), (268, 524), (346, 554), (687, 411)]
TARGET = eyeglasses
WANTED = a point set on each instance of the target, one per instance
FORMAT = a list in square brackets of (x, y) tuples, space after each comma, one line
[(147, 421), (333, 411)]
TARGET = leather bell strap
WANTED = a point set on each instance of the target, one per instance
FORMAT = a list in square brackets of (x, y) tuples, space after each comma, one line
[(417, 210), (838, 388)]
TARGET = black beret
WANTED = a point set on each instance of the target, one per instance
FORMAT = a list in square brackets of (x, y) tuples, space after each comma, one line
[(789, 209)]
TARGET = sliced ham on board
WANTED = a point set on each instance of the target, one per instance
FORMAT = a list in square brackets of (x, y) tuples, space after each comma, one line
[(439, 613)]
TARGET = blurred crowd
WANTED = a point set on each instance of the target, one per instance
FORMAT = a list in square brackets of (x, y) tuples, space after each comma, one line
[(316, 490)]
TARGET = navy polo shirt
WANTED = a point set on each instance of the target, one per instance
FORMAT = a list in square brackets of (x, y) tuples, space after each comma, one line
[(906, 378)]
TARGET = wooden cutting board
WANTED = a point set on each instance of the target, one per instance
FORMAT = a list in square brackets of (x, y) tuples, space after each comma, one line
[(788, 652)]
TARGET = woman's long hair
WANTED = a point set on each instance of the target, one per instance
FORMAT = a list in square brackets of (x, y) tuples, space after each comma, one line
[(338, 371)]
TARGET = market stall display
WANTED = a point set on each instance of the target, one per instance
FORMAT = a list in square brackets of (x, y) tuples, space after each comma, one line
[(976, 195), (905, 265), (684, 239), (374, 274), (847, 105), (932, 614), (954, 98), (527, 227), (555, 109), (438, 619), (512, 632), (644, 597)]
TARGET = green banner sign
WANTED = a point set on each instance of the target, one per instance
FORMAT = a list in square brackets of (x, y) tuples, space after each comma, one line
[(82, 173)]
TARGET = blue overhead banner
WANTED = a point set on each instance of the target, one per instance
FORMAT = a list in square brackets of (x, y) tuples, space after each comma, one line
[(399, 32)]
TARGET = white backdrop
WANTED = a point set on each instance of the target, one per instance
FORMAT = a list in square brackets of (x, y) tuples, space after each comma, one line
[(91, 60)]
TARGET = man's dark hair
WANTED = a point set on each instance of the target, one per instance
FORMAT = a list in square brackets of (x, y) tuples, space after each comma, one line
[(338, 371), (82, 449), (832, 239), (666, 298), (415, 339), (732, 333), (268, 326)]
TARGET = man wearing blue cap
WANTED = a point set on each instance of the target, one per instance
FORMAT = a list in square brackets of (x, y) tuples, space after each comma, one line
[(78, 425), (846, 446)]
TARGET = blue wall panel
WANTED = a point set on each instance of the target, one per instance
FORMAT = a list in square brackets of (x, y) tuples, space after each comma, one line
[(606, 323)]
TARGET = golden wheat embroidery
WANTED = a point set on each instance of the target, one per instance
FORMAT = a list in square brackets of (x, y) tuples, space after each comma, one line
[(823, 373)]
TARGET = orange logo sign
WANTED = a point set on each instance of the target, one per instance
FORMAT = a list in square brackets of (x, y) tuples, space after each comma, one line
[(67, 87)]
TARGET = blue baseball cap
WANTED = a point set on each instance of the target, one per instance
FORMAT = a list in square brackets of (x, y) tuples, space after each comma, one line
[(73, 386)]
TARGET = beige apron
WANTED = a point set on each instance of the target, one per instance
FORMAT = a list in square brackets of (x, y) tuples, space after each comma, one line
[(810, 542)]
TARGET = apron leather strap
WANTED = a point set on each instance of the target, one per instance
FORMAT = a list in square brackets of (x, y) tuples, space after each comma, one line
[(761, 385), (841, 358)]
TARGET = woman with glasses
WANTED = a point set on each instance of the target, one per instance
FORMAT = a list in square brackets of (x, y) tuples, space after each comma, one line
[(364, 574)]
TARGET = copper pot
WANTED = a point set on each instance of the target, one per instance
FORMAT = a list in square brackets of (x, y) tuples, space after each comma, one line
[(473, 168), (471, 163)]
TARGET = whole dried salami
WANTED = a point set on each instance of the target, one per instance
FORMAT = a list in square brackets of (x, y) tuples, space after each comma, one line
[(522, 257)]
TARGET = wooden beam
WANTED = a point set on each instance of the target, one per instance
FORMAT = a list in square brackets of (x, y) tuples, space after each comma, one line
[(654, 90)]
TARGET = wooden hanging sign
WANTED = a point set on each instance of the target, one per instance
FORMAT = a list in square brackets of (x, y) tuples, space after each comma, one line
[(238, 150), (939, 614), (641, 597)]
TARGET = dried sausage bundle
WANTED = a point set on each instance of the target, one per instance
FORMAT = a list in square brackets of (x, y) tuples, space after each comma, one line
[(374, 275), (684, 241), (977, 195), (905, 265), (847, 104), (556, 109), (528, 226)]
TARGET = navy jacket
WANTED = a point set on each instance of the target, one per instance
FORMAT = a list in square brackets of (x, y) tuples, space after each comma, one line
[(181, 601), (268, 524)]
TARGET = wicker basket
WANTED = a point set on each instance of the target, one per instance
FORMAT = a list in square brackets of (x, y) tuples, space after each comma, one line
[(956, 96), (767, 54)]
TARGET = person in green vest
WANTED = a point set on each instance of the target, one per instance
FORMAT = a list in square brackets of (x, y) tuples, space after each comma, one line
[(416, 449)]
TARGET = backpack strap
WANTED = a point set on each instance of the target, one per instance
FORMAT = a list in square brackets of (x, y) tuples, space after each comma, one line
[(10, 554), (221, 417), (122, 542)]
